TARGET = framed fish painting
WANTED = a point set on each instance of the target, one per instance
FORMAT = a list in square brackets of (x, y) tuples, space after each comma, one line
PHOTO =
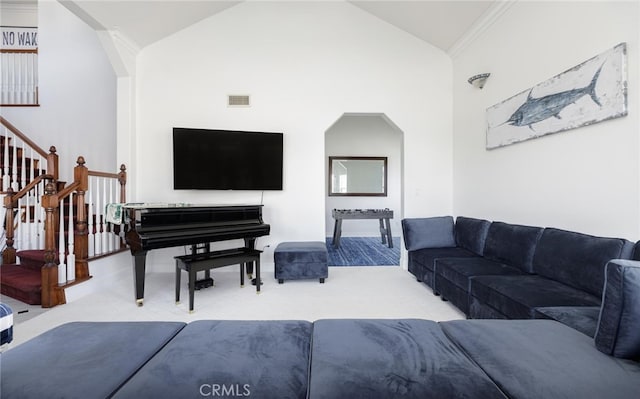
[(591, 92)]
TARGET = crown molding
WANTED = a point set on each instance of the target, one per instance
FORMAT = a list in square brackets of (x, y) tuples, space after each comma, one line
[(483, 23)]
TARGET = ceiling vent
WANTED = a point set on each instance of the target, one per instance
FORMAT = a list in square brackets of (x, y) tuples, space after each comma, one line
[(235, 100)]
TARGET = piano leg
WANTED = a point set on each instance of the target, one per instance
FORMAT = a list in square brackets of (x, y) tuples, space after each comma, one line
[(258, 281), (178, 271), (251, 244), (139, 266)]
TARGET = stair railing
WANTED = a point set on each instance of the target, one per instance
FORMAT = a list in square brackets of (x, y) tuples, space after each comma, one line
[(23, 176), (17, 148), (13, 203), (73, 255), (104, 188), (37, 210)]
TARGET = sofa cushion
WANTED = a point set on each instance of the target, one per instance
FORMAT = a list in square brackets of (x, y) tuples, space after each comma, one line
[(82, 359), (408, 358), (618, 331), (262, 359), (458, 270), (577, 259), (581, 318), (512, 244), (421, 261), (471, 233), (434, 232), (543, 359), (517, 297), (426, 257)]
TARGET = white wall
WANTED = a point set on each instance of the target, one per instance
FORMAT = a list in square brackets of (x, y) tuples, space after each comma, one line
[(77, 94), (373, 136), (585, 179), (304, 64)]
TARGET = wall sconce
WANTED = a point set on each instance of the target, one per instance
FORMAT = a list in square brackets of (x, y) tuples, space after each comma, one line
[(478, 80)]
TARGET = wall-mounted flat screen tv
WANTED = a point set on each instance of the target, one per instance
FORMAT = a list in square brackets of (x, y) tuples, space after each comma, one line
[(205, 159)]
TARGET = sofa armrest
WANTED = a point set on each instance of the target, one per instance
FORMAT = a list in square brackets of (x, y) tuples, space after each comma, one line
[(433, 232), (619, 322)]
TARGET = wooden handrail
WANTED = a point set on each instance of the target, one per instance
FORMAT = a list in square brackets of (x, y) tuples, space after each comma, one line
[(28, 187), (64, 193), (23, 137), (122, 179), (51, 156)]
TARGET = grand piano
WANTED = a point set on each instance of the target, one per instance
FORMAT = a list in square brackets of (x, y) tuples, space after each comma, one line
[(153, 226)]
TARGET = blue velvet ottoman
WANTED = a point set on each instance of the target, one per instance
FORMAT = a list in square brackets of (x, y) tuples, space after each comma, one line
[(300, 260)]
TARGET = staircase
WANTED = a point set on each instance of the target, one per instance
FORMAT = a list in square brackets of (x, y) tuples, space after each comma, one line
[(23, 281), (51, 229)]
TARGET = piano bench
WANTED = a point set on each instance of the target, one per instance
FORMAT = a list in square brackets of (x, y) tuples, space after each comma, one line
[(301, 260), (205, 261)]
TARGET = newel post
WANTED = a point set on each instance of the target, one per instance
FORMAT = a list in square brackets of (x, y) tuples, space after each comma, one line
[(122, 179), (81, 247), (9, 254), (52, 295), (52, 163)]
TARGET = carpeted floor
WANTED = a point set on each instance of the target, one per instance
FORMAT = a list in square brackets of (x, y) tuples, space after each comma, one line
[(363, 251)]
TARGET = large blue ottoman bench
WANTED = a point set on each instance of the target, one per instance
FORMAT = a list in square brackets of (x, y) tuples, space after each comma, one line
[(301, 260), (82, 359), (267, 359)]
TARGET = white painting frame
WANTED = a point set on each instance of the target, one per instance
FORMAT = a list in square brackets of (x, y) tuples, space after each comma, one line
[(591, 92)]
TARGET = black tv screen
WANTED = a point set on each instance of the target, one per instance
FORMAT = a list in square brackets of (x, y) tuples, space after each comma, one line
[(205, 159)]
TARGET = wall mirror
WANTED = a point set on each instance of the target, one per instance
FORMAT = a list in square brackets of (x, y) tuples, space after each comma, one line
[(358, 176)]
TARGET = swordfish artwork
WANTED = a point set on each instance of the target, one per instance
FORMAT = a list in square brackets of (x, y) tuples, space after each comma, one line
[(588, 93), (536, 110)]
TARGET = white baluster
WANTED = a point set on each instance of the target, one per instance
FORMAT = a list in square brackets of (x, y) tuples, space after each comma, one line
[(19, 230), (30, 173), (39, 215), (62, 268), (5, 165), (105, 226), (98, 218), (112, 236), (14, 174), (90, 213), (71, 258), (23, 167), (28, 223)]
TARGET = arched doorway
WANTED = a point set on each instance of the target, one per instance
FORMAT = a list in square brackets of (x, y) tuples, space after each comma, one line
[(366, 135)]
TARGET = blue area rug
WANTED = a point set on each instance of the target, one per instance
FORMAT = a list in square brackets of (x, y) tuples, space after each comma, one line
[(363, 251)]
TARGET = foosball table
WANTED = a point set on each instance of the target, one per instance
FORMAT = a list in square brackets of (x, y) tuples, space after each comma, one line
[(383, 216)]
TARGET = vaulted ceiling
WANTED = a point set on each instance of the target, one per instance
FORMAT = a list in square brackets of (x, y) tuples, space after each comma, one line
[(439, 22)]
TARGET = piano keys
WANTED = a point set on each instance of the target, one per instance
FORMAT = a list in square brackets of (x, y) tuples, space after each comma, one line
[(154, 226)]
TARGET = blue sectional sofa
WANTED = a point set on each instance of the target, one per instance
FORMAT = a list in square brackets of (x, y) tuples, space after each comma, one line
[(512, 271), (375, 358), (339, 358)]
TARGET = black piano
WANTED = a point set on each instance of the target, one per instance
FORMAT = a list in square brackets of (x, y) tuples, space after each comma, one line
[(151, 226)]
